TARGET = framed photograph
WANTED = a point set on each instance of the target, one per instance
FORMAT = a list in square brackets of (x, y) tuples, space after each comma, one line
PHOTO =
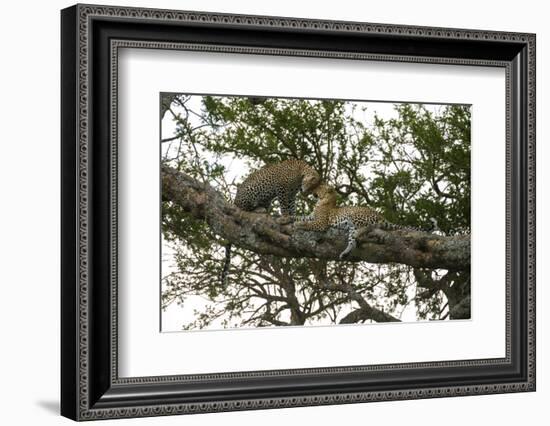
[(263, 212)]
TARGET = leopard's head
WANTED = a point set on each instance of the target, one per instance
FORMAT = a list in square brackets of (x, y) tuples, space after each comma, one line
[(310, 181), (325, 194)]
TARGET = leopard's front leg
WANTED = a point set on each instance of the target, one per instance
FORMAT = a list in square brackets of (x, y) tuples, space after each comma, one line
[(307, 218), (284, 220), (287, 202), (312, 224)]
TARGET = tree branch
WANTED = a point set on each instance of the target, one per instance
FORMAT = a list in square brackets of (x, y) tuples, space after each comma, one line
[(364, 312), (367, 313), (262, 233)]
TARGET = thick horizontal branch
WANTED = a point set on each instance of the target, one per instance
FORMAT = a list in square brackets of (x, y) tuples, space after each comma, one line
[(262, 233)]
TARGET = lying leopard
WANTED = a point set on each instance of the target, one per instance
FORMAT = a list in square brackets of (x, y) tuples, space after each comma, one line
[(327, 214)]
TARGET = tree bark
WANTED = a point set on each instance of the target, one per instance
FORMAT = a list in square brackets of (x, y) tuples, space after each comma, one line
[(262, 233)]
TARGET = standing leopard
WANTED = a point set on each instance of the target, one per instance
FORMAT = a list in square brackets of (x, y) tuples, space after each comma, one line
[(281, 181), (327, 214)]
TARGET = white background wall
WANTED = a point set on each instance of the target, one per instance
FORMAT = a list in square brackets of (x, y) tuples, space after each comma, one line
[(29, 218)]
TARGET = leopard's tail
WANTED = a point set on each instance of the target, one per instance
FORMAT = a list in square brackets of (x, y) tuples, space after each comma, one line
[(226, 265), (395, 227)]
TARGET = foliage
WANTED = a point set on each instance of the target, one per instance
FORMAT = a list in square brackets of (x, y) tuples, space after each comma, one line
[(411, 163)]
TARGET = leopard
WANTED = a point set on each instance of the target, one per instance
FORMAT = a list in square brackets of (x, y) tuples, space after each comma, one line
[(327, 214), (281, 181), (278, 181)]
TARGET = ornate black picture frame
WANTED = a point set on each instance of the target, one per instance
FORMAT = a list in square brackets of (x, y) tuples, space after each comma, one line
[(91, 387)]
